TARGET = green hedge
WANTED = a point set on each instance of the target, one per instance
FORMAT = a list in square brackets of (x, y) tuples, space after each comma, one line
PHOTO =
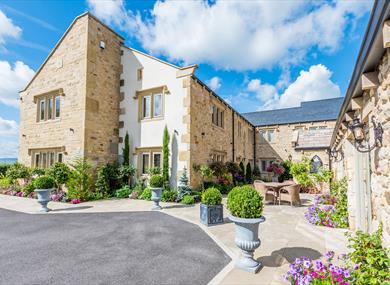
[(245, 202)]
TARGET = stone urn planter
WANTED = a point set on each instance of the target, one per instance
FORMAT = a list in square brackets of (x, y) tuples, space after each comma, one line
[(43, 198), (247, 239), (156, 198), (156, 183), (211, 209), (246, 207), (43, 187)]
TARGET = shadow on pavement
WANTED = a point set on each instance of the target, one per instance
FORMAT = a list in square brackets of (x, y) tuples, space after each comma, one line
[(278, 257)]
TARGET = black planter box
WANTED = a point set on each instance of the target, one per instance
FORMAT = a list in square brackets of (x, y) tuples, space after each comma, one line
[(211, 215)]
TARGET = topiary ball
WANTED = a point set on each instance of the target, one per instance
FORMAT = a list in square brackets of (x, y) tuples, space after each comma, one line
[(156, 181), (245, 202), (44, 182), (211, 197)]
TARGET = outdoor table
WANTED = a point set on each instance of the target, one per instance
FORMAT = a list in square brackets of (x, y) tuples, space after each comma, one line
[(276, 186)]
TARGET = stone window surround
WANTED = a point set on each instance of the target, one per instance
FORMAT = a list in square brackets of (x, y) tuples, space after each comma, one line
[(57, 152), (151, 92), (266, 131), (151, 151), (218, 156), (46, 96), (217, 116)]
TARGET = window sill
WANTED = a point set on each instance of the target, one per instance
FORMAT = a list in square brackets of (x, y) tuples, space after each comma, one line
[(218, 127), (152, 119), (49, 121)]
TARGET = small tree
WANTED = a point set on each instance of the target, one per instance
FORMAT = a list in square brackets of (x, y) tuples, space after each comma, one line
[(242, 169), (256, 171), (205, 171), (126, 150), (183, 188), (165, 170), (80, 180), (248, 173)]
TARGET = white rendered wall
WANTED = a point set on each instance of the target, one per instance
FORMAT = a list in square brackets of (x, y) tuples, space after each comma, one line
[(149, 133)]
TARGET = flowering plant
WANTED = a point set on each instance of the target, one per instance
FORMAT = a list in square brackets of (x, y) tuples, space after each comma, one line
[(133, 195), (58, 196), (75, 201), (305, 271), (325, 199), (275, 169)]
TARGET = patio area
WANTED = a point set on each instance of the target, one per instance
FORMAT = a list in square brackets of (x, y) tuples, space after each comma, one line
[(284, 236)]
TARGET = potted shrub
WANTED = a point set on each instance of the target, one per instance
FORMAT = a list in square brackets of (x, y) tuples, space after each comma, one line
[(246, 207), (43, 186), (211, 209), (156, 184)]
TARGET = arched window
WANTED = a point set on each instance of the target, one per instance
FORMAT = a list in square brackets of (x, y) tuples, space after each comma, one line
[(316, 164)]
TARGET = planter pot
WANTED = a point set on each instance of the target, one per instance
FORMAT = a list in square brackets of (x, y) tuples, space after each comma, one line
[(211, 214), (43, 198), (247, 239), (156, 198), (275, 178)]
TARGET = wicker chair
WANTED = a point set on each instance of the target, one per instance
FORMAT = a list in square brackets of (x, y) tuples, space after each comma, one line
[(290, 194), (264, 191)]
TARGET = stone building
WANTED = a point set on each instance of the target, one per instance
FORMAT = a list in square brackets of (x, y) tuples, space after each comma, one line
[(364, 158), (293, 133), (92, 90)]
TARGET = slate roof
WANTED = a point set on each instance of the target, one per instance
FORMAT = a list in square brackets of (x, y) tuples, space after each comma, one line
[(310, 111), (314, 139)]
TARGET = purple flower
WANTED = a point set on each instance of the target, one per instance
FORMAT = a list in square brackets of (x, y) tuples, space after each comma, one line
[(306, 263), (347, 273), (318, 265), (329, 255)]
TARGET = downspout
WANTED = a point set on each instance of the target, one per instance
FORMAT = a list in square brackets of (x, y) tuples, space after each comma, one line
[(254, 146), (233, 158)]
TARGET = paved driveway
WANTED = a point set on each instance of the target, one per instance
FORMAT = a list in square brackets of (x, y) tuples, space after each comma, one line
[(105, 248)]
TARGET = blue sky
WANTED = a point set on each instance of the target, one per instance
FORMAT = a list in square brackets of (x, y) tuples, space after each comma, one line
[(256, 55)]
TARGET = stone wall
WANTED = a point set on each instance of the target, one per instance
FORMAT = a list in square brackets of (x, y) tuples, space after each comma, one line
[(88, 78), (65, 68), (282, 147), (102, 95), (207, 138), (380, 157)]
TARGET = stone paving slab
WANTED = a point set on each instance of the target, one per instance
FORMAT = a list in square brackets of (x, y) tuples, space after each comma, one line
[(285, 234)]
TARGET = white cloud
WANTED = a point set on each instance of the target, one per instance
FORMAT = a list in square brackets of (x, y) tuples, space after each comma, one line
[(8, 127), (214, 83), (8, 138), (239, 35), (314, 84), (12, 80), (7, 29)]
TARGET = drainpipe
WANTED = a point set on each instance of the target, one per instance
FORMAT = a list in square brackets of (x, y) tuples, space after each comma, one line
[(254, 146), (233, 158)]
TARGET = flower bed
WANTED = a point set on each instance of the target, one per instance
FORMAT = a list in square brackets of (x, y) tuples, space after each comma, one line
[(330, 210), (305, 271)]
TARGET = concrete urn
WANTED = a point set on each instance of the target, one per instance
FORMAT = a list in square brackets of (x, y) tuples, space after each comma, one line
[(156, 197), (43, 198), (247, 239)]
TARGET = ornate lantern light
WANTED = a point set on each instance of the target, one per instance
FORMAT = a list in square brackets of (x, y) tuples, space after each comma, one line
[(359, 128)]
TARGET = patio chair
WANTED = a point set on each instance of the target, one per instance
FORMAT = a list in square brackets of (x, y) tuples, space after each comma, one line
[(290, 194), (268, 195)]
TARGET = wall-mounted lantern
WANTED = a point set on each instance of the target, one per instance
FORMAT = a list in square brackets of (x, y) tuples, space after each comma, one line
[(336, 155), (358, 129)]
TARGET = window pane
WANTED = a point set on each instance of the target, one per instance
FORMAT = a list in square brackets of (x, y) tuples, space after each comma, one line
[(59, 157), (58, 106), (43, 160), (263, 165), (221, 119), (42, 110), (145, 163), (263, 135), (157, 105), (50, 108), (146, 106), (214, 115), (51, 159), (157, 160), (36, 160), (271, 136)]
